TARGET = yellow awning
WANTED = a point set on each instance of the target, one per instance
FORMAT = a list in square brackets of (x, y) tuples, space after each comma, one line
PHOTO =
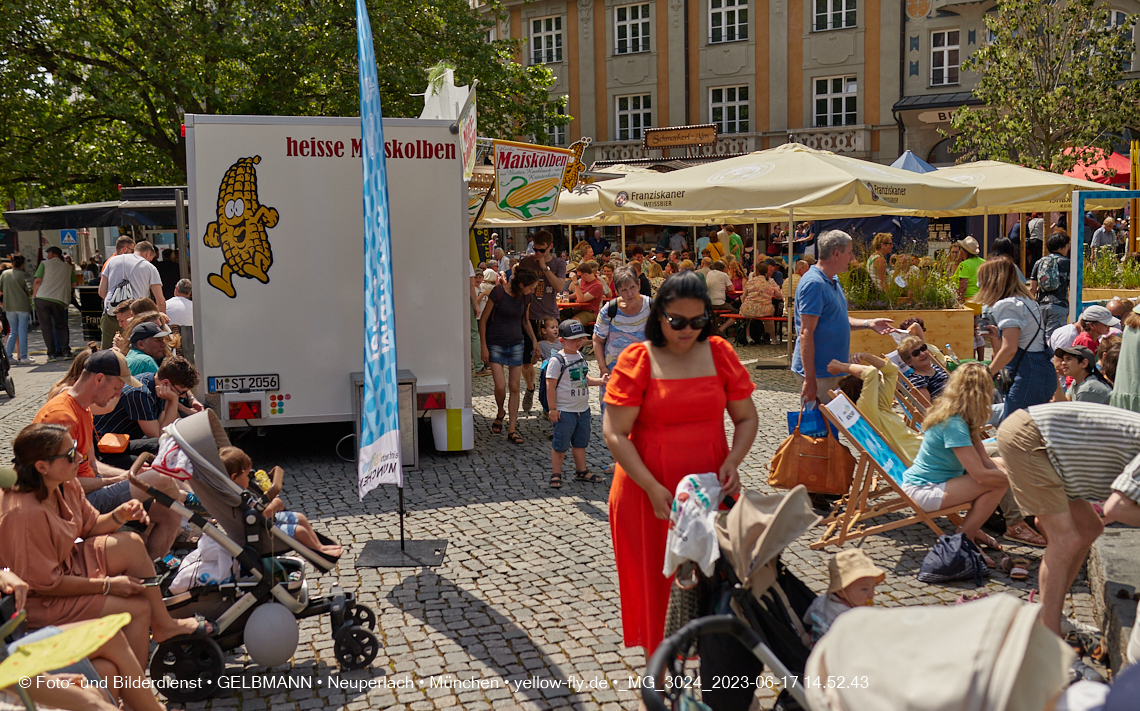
[(764, 185), (1007, 188)]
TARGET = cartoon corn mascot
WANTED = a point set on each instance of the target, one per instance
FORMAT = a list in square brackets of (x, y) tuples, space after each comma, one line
[(240, 228)]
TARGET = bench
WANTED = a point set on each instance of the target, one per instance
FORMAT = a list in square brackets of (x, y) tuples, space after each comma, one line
[(778, 320)]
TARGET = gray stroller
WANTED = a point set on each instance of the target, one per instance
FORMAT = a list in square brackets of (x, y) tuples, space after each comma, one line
[(272, 569)]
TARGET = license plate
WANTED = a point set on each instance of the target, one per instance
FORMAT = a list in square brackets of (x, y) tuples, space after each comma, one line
[(242, 383)]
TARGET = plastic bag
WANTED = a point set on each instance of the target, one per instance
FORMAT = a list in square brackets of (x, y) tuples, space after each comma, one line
[(692, 535), (208, 564)]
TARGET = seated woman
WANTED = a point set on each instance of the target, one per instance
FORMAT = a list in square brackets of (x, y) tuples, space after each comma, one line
[(928, 377), (870, 384), (104, 573), (757, 301), (1089, 385), (952, 466)]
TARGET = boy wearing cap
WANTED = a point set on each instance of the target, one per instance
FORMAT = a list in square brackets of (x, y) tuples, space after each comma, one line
[(568, 384), (853, 580), (104, 375), (148, 348), (1079, 363)]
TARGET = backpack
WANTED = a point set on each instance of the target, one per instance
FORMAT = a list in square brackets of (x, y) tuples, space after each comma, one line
[(542, 378), (120, 293), (953, 558), (1048, 274)]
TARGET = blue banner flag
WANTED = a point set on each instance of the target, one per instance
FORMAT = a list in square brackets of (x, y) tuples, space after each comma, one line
[(378, 461)]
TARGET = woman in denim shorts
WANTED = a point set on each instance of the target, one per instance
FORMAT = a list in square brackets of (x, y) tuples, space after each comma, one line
[(503, 326)]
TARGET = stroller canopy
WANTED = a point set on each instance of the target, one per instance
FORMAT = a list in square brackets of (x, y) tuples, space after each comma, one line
[(758, 528)]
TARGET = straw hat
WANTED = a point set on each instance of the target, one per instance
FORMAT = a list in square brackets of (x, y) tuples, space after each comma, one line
[(845, 567), (970, 245)]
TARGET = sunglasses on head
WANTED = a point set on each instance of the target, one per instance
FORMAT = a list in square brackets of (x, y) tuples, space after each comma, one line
[(916, 351), (70, 455), (678, 323)]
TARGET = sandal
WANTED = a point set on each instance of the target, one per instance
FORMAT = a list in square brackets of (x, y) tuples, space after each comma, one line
[(984, 540), (1018, 568), (609, 469), (1024, 534), (556, 481), (205, 629), (586, 476), (970, 597), (497, 425), (514, 438)]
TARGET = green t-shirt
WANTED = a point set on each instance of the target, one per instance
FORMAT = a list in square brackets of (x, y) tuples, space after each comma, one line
[(968, 270), (736, 246), (140, 362), (936, 461)]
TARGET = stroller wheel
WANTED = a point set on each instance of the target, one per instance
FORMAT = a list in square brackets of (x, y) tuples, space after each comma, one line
[(362, 616), (355, 647), (185, 670), (9, 386)]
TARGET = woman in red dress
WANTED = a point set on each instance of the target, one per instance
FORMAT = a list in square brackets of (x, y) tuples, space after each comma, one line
[(664, 420)]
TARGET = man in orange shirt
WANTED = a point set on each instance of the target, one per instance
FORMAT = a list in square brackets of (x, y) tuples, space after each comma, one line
[(107, 487)]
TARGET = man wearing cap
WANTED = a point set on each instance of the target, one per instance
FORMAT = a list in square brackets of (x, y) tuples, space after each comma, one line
[(1059, 457), (148, 348), (103, 378), (1093, 324), (52, 290), (967, 276)]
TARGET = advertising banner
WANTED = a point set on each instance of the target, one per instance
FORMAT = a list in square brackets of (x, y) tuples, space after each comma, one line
[(468, 139), (378, 461), (528, 178)]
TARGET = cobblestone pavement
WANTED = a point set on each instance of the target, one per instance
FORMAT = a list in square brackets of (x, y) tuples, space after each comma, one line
[(526, 601)]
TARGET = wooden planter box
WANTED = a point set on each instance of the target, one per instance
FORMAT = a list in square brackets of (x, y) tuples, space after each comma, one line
[(1103, 294), (953, 326)]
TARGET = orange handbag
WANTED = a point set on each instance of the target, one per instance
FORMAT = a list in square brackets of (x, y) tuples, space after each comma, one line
[(822, 464), (114, 443)]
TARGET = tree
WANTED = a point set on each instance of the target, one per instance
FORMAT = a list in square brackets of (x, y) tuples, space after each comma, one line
[(1052, 81), (94, 91)]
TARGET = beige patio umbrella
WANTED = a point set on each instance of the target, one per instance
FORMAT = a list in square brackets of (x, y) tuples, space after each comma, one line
[(1008, 188), (767, 185)]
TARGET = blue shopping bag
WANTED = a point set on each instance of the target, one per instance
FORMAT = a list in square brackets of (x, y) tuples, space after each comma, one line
[(812, 423)]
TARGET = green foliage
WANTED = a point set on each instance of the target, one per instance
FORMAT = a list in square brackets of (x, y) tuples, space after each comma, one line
[(928, 287), (1051, 80), (1108, 272), (94, 92)]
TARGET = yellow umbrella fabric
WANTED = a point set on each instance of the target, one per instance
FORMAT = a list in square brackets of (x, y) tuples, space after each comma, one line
[(61, 650), (580, 207), (1007, 188), (763, 186)]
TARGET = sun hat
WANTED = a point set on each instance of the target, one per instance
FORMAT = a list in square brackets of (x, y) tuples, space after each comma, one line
[(1100, 314), (845, 567), (970, 245)]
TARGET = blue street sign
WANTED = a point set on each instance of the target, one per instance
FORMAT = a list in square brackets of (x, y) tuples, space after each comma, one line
[(69, 238)]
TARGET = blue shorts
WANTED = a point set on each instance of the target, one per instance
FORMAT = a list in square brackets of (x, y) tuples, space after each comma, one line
[(287, 521), (511, 356), (571, 430), (108, 498)]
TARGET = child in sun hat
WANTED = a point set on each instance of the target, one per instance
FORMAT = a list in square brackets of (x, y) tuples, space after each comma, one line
[(853, 580)]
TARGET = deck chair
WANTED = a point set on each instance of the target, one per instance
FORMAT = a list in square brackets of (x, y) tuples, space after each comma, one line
[(876, 486), (914, 412)]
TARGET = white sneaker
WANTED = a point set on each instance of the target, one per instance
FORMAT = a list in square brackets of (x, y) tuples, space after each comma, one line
[(1069, 624), (25, 361)]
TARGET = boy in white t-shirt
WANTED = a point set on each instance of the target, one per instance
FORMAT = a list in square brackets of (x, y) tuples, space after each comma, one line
[(568, 384)]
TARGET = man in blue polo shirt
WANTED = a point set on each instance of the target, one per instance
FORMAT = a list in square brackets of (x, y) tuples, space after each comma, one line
[(822, 325)]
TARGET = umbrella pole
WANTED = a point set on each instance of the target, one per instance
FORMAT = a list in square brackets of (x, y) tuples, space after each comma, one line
[(985, 232), (788, 275), (1023, 237), (623, 239)]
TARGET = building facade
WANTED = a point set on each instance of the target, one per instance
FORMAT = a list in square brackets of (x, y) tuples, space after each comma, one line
[(865, 78)]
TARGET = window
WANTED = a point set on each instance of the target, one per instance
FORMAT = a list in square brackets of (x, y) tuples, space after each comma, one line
[(631, 28), (557, 134), (728, 20), (546, 39), (728, 109), (834, 14), (944, 58), (634, 115), (836, 101)]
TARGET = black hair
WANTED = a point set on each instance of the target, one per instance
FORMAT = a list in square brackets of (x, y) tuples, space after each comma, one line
[(520, 278), (683, 285), (1002, 247), (1057, 241)]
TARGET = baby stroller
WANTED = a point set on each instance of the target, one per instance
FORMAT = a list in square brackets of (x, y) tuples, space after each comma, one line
[(755, 607), (267, 575), (6, 382)]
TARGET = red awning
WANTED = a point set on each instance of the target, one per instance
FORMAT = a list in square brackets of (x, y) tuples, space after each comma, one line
[(1098, 171)]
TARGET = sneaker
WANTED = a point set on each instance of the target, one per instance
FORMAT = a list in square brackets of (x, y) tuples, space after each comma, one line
[(25, 361), (65, 356), (528, 401), (51, 359)]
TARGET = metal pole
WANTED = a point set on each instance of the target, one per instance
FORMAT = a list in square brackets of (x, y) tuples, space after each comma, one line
[(401, 487), (623, 257), (985, 232), (788, 275), (1076, 255), (180, 239), (1134, 183), (1023, 238)]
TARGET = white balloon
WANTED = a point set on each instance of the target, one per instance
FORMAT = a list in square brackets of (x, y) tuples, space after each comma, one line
[(271, 635)]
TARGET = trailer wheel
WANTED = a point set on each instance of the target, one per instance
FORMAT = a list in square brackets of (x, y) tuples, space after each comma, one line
[(187, 670)]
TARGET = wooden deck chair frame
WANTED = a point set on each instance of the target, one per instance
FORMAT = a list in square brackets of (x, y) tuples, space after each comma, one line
[(873, 493), (913, 411), (922, 400)]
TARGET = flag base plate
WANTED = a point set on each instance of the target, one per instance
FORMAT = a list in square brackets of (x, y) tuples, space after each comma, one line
[(415, 554)]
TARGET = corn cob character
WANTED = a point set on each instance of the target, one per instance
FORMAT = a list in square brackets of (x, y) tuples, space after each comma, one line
[(240, 228)]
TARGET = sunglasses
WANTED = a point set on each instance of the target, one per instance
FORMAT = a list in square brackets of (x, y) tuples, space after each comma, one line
[(544, 249), (70, 455), (679, 323), (917, 351)]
